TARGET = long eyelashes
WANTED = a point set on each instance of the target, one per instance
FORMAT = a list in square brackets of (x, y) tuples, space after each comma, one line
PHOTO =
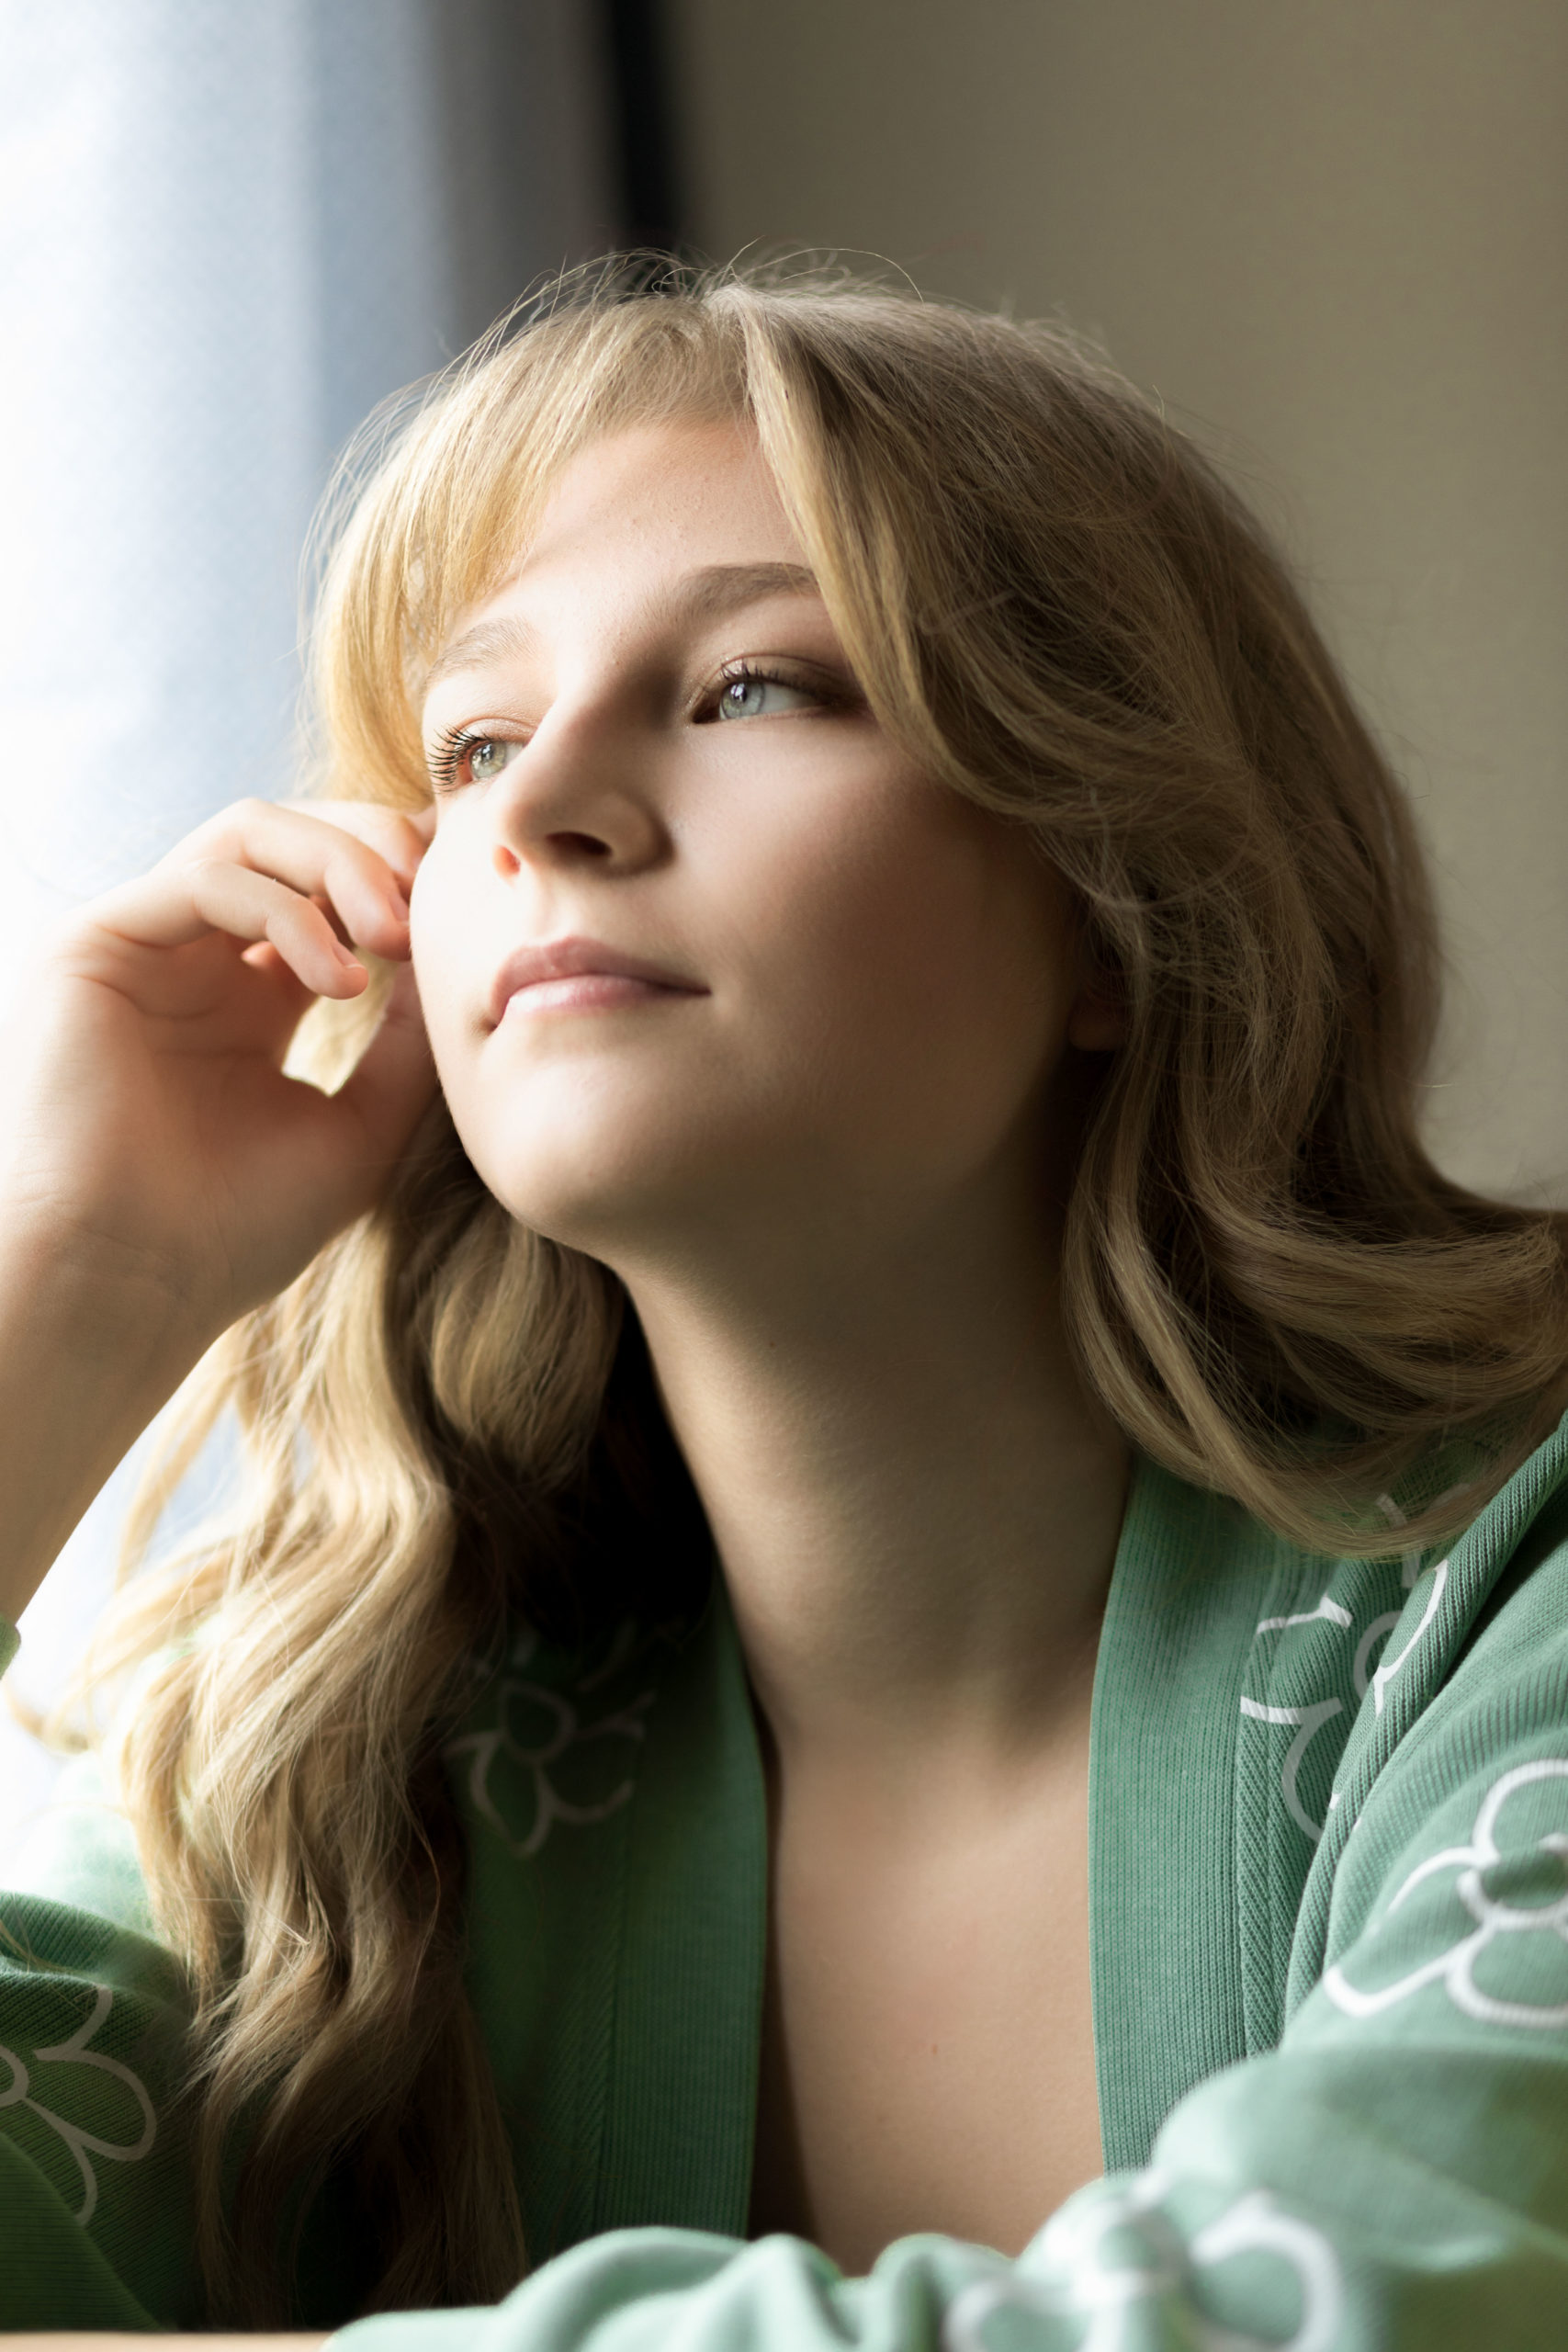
[(455, 744), (451, 748), (810, 683), (448, 751)]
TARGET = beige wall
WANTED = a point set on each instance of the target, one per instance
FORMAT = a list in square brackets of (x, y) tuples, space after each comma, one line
[(1334, 235)]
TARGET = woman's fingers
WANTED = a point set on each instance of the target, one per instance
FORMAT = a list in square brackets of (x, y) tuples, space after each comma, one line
[(318, 856), (400, 836), (150, 1117), (305, 884), (177, 905)]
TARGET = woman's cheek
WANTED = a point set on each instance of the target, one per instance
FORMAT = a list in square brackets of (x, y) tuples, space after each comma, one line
[(443, 971)]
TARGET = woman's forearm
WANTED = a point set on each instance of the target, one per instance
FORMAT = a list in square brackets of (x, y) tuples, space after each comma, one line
[(81, 2340), (160, 1173), (89, 1356)]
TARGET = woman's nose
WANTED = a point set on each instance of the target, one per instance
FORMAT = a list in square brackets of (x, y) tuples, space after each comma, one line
[(576, 794)]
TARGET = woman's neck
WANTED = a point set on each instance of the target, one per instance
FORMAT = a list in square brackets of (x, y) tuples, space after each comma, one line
[(916, 1507)]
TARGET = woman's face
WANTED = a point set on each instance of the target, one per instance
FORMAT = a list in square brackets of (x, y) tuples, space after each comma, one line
[(700, 953)]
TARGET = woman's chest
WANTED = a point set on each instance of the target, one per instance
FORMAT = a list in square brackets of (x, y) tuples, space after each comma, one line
[(928, 2048)]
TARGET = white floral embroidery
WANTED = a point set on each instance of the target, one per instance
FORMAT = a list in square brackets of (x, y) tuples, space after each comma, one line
[(1396, 1518), (1109, 2299), (1410, 1577), (82, 2143), (1375, 1632), (1393, 1666), (615, 1656), (565, 1731), (1254, 2224), (1328, 1611), (1311, 1717), (1311, 1720), (1455, 1968)]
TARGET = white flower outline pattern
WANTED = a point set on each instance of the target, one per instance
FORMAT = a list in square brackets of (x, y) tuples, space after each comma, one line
[(82, 2143), (1109, 2298), (567, 1730), (1311, 1721), (1454, 1969), (1310, 1718)]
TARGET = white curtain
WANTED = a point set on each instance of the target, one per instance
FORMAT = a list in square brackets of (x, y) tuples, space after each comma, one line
[(228, 229)]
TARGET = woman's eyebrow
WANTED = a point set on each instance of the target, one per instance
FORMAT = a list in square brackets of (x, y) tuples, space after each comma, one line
[(721, 588), (488, 642), (700, 595)]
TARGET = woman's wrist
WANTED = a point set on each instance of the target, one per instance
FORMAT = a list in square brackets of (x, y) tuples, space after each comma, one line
[(90, 1352)]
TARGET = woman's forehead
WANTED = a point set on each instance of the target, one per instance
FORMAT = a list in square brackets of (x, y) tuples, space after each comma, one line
[(691, 508)]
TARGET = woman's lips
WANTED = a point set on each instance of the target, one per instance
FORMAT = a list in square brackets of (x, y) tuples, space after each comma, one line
[(583, 975), (583, 992)]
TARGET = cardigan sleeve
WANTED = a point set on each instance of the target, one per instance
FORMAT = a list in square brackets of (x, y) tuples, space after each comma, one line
[(1391, 2178), (94, 2208)]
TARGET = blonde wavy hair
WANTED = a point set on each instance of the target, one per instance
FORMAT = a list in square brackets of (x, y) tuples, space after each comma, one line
[(447, 1424)]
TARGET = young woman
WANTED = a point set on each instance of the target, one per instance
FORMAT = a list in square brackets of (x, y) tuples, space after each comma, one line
[(899, 1550)]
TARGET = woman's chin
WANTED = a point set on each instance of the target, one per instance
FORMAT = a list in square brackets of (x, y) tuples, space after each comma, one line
[(620, 1204)]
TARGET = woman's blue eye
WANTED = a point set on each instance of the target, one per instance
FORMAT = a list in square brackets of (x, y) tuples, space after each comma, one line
[(761, 698)]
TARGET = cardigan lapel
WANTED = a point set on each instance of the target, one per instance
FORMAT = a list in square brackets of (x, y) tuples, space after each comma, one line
[(680, 2119), (1164, 1949)]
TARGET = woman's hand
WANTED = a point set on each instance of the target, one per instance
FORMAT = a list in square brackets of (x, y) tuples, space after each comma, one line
[(159, 1174), (152, 1142)]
